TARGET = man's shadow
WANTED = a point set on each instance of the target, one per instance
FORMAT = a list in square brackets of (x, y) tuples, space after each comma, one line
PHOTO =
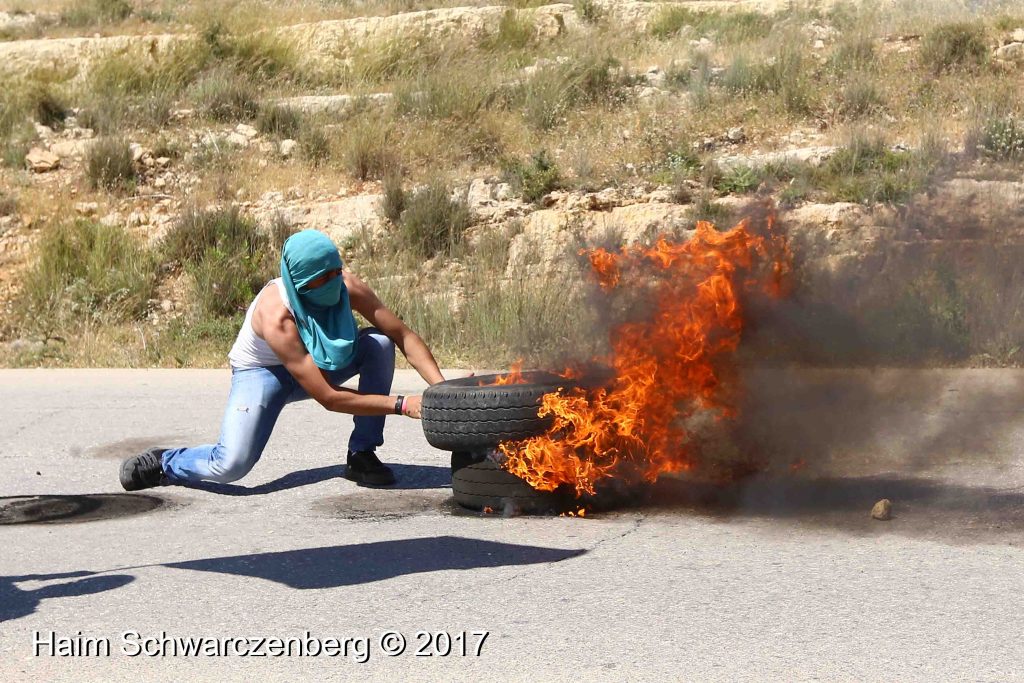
[(359, 563), (303, 568), (18, 602), (407, 476)]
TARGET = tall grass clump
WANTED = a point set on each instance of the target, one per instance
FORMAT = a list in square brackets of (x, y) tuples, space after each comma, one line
[(92, 12), (224, 95), (128, 90), (486, 326), (859, 97), (514, 32), (433, 222), (228, 256), (588, 10), (16, 129), (555, 90), (458, 90), (314, 144), (15, 145), (281, 122), (855, 51), (367, 151), (109, 165), (259, 56), (85, 271), (953, 45), (22, 103), (393, 198), (784, 74), (726, 27), (670, 20), (383, 61)]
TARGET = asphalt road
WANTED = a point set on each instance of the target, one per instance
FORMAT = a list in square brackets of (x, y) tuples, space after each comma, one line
[(786, 580)]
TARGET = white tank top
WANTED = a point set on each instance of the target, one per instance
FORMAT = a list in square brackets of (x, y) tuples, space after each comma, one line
[(249, 350)]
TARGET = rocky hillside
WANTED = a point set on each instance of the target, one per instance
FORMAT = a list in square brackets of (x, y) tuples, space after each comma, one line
[(460, 155)]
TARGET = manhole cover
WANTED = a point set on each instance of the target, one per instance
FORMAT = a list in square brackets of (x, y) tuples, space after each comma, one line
[(64, 509)]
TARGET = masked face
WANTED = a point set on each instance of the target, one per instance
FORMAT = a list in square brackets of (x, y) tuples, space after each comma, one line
[(325, 295)]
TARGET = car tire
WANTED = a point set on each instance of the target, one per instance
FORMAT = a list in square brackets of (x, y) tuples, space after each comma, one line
[(485, 486), (470, 413)]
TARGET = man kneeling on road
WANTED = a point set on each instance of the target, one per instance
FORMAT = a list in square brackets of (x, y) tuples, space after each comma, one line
[(299, 340)]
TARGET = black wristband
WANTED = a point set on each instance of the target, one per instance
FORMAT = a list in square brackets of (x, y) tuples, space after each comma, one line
[(398, 404)]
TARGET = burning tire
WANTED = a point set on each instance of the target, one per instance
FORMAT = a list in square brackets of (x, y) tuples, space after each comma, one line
[(485, 486), (473, 413)]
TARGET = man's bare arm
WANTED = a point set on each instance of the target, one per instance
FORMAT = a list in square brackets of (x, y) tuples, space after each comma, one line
[(416, 351), (282, 335)]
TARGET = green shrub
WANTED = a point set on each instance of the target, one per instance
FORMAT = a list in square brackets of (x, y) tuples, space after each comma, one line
[(433, 222), (109, 165), (1003, 138), (866, 170), (90, 12), (281, 122), (227, 255), (533, 178), (739, 180), (227, 96), (86, 271), (948, 46)]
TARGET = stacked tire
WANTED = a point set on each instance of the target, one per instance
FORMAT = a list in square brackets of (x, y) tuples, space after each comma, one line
[(471, 417)]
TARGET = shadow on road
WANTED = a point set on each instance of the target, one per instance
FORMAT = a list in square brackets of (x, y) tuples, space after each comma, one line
[(349, 565), (328, 567), (408, 476), (17, 602), (923, 508)]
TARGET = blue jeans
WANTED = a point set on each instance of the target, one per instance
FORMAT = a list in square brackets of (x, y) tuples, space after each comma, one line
[(256, 399)]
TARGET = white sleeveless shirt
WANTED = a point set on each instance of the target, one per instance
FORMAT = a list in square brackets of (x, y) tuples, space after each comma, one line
[(249, 350)]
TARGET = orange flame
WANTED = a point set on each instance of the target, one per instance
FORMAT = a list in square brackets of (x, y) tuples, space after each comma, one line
[(513, 376), (665, 368)]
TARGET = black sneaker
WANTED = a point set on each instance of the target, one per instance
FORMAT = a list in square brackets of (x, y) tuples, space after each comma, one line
[(144, 470), (363, 467)]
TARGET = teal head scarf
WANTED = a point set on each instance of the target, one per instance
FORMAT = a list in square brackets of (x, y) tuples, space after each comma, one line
[(323, 315)]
